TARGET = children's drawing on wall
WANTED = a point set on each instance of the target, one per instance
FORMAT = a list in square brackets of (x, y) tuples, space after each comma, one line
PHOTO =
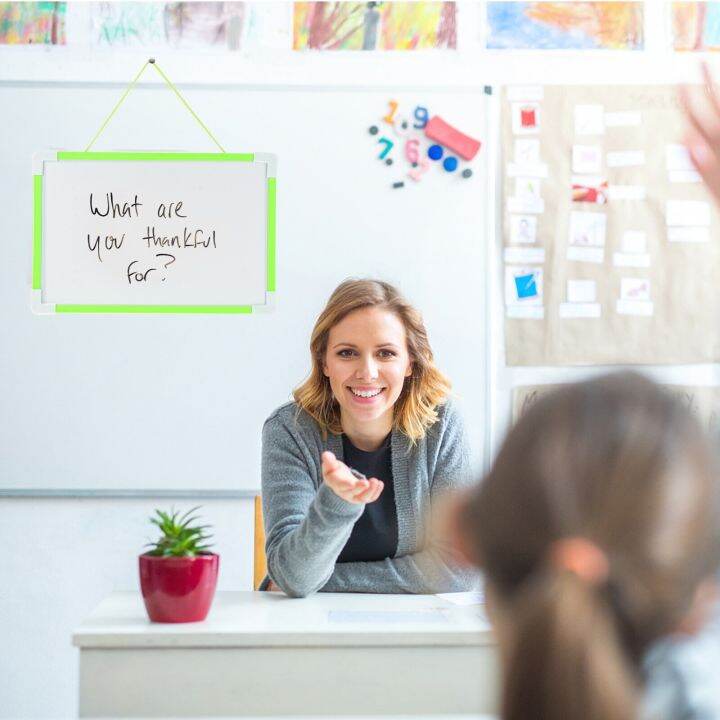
[(32, 23), (565, 26), (411, 140), (374, 26), (182, 25), (696, 26)]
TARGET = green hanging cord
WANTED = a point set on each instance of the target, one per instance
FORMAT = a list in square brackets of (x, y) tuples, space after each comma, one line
[(185, 103), (115, 109), (151, 61)]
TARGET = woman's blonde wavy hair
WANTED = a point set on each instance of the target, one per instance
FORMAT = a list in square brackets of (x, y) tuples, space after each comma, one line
[(424, 390)]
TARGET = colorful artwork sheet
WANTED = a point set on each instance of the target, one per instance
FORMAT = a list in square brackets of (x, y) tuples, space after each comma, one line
[(696, 26), (374, 26), (32, 23), (182, 25), (565, 25)]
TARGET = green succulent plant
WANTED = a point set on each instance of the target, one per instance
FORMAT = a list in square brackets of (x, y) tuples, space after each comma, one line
[(180, 538)]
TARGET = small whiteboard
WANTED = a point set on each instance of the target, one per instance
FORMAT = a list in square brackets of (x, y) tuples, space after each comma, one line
[(125, 232)]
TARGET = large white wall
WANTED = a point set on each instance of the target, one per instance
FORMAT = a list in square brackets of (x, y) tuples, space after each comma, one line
[(60, 557)]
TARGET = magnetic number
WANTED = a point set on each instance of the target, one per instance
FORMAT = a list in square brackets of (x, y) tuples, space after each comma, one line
[(411, 150), (388, 147), (389, 117), (421, 115), (423, 166)]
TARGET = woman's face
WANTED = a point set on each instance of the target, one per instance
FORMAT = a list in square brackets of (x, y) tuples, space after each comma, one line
[(367, 362)]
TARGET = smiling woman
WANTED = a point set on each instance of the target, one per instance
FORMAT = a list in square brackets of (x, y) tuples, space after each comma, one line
[(350, 468)]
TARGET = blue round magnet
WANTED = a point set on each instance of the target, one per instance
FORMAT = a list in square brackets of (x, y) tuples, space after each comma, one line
[(435, 152), (450, 164)]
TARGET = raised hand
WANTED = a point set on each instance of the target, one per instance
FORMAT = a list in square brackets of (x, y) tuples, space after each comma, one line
[(702, 136), (338, 477)]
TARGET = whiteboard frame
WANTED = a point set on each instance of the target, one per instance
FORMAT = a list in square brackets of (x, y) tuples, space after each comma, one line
[(39, 307)]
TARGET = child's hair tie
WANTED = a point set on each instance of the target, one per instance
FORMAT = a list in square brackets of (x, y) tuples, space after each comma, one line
[(582, 557)]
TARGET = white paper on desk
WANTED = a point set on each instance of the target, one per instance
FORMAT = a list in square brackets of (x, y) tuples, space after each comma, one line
[(387, 617), (688, 213), (626, 158), (475, 597), (623, 119)]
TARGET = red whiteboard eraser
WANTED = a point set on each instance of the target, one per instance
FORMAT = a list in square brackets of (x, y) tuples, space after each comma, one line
[(440, 131)]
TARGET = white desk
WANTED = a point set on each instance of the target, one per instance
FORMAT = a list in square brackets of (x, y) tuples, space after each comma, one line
[(265, 654)]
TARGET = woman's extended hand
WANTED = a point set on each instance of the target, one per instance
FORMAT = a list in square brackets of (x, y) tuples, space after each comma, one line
[(344, 484), (702, 138)]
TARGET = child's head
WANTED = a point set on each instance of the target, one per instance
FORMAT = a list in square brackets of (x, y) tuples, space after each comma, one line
[(595, 527)]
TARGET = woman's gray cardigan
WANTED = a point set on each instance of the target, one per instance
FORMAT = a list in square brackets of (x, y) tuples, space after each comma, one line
[(307, 524)]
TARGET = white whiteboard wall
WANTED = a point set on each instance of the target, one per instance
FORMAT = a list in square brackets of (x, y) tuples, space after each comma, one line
[(172, 402)]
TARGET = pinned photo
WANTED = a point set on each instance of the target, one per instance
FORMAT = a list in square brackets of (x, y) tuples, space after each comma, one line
[(590, 190), (587, 229)]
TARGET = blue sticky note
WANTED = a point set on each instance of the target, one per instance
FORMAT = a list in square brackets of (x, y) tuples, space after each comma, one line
[(526, 286)]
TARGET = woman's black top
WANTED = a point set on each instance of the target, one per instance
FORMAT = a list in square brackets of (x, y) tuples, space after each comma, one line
[(375, 533)]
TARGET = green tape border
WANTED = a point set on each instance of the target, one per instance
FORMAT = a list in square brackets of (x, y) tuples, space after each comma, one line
[(162, 157), (169, 309), (271, 226), (37, 231)]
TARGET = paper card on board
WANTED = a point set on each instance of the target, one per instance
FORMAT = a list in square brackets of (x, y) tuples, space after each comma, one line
[(586, 159), (589, 120), (635, 289), (677, 157), (523, 285), (539, 170), (626, 158), (524, 255), (688, 234), (526, 118), (524, 92), (684, 176), (525, 312), (581, 291), (623, 119), (586, 254), (631, 259), (627, 192), (641, 308), (527, 151), (687, 213), (579, 310), (523, 229), (634, 241), (587, 229)]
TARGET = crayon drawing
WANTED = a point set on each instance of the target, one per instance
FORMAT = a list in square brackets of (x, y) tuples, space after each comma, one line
[(696, 26), (565, 26), (182, 25), (374, 26), (32, 23)]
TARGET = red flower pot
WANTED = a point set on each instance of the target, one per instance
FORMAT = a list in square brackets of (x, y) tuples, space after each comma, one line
[(178, 589)]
